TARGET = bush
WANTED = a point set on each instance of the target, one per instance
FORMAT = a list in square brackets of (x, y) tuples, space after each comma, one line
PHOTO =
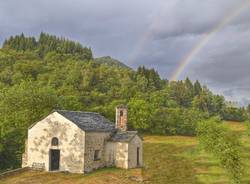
[(215, 138), (247, 123), (234, 114)]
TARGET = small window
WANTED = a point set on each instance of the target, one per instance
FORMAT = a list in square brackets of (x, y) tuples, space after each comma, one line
[(97, 155), (54, 141)]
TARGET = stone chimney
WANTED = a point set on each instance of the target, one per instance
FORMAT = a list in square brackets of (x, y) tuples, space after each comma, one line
[(121, 117)]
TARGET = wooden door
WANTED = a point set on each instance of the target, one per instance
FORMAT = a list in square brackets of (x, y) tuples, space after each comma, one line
[(54, 159)]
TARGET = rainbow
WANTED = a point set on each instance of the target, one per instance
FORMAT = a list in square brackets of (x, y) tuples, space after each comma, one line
[(206, 38)]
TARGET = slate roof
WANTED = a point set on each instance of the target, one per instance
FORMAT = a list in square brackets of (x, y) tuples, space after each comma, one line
[(123, 136), (88, 121)]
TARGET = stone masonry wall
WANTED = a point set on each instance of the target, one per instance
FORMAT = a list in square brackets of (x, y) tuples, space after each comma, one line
[(95, 141), (25, 155)]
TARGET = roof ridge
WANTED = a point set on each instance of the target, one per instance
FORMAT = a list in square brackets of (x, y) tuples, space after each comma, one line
[(56, 110)]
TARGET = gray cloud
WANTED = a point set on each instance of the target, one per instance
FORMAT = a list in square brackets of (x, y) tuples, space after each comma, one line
[(181, 18), (225, 62), (155, 33)]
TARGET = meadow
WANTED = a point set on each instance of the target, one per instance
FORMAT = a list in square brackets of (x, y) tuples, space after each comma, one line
[(167, 160)]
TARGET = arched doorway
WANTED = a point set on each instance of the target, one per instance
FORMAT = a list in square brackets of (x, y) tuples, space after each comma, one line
[(54, 155)]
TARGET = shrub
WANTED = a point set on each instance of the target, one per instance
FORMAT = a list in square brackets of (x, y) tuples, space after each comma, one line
[(215, 138)]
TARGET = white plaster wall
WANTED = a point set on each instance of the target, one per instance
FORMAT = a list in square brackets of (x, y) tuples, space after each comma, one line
[(116, 154), (95, 141), (132, 152), (121, 155), (71, 143), (109, 154)]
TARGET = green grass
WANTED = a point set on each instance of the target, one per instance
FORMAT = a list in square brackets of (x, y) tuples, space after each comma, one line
[(167, 160), (179, 159)]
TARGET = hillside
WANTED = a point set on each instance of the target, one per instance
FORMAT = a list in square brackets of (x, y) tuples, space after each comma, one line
[(109, 61), (167, 160)]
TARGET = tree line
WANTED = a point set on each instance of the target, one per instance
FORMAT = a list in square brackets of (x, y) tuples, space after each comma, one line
[(47, 43)]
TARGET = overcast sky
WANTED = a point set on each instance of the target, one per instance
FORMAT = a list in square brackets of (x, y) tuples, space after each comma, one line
[(154, 33)]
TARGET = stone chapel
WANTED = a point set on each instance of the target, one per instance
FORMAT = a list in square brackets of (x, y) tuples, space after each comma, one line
[(80, 142)]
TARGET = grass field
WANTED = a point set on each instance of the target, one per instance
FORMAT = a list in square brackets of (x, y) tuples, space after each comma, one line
[(179, 159), (167, 160)]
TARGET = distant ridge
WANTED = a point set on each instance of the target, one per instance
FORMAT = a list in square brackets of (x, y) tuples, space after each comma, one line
[(109, 61)]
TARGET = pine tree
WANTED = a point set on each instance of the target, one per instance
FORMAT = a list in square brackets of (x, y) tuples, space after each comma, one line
[(47, 43), (197, 88)]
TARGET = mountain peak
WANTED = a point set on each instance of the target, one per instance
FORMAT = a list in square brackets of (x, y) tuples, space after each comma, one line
[(109, 61)]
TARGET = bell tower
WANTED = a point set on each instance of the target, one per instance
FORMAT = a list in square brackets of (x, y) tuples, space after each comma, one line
[(121, 117)]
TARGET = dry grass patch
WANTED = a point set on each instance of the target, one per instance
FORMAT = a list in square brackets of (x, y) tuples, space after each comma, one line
[(103, 176), (236, 126)]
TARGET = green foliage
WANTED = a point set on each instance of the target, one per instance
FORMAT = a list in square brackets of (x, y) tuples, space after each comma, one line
[(47, 43), (207, 102), (247, 123), (175, 121), (140, 114), (109, 61), (149, 78), (215, 138), (20, 106), (235, 114), (180, 93), (197, 88)]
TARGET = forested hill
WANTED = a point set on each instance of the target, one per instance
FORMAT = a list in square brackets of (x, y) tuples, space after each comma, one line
[(37, 76), (47, 43), (109, 61)]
